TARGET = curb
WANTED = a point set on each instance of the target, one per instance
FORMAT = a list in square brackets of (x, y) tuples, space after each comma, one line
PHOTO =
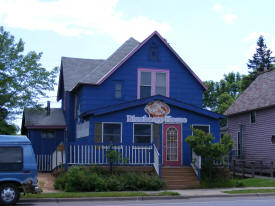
[(141, 198)]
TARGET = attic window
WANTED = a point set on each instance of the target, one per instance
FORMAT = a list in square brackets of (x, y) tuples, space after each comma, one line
[(48, 134), (153, 52)]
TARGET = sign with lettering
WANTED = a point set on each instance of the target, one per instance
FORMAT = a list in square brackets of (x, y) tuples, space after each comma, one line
[(157, 120), (158, 113)]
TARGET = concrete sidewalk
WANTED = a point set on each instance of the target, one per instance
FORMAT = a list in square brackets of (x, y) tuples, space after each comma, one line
[(214, 192)]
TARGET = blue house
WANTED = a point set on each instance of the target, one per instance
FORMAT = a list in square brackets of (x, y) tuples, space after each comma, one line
[(142, 100)]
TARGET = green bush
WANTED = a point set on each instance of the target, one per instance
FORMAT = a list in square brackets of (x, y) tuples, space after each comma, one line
[(97, 179)]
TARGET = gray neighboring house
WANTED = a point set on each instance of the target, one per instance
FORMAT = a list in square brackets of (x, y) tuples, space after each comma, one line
[(251, 120)]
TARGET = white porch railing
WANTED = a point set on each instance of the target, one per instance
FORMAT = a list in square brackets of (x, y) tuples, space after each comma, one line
[(156, 159), (81, 154), (48, 162), (44, 162), (96, 154), (196, 162)]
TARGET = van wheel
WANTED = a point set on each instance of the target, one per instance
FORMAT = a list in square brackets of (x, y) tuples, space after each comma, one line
[(9, 194)]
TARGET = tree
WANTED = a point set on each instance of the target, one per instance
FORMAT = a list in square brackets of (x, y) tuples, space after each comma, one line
[(211, 153), (260, 62), (23, 80), (220, 95)]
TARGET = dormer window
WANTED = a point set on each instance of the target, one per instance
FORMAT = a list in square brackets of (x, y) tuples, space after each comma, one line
[(152, 82)]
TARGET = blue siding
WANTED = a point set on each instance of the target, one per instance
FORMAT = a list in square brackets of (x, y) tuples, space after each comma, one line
[(69, 115), (45, 146), (183, 85), (127, 127)]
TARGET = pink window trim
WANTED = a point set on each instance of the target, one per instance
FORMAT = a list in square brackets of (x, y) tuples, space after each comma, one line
[(153, 71)]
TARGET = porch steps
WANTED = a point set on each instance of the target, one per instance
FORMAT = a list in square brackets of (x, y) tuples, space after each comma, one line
[(179, 178)]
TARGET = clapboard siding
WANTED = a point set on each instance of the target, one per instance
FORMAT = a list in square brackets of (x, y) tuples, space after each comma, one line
[(127, 127), (183, 85), (257, 143)]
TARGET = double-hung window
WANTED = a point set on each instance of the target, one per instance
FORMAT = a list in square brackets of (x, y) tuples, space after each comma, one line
[(111, 132), (152, 82), (142, 133)]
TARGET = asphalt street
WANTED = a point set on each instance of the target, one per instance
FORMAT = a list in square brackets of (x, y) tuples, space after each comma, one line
[(221, 201)]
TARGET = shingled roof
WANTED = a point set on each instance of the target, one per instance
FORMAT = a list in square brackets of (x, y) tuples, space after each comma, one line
[(260, 94), (40, 118), (75, 71), (91, 71)]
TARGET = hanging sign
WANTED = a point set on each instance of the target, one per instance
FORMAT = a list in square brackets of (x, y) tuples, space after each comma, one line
[(158, 113)]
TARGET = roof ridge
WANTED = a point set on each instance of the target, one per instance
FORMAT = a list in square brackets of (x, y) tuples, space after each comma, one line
[(80, 58)]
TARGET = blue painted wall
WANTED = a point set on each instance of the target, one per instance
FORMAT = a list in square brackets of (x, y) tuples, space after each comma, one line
[(127, 127), (69, 115), (43, 145), (183, 86)]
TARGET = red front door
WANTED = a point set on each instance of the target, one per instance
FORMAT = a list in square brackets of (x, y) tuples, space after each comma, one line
[(172, 145)]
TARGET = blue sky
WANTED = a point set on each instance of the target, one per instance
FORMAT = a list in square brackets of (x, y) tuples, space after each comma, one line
[(213, 37)]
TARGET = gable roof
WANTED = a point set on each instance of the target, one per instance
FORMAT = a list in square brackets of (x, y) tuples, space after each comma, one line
[(73, 70), (144, 101), (259, 94), (33, 118), (91, 71)]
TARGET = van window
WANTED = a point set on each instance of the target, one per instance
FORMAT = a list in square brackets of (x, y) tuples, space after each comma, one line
[(11, 158)]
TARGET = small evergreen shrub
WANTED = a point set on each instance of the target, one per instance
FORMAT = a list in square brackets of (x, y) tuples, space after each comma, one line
[(80, 179)]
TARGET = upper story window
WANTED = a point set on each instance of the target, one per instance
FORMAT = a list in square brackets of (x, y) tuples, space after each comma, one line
[(152, 82), (253, 116), (118, 89)]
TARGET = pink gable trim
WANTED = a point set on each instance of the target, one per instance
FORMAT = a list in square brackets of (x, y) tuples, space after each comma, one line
[(140, 45)]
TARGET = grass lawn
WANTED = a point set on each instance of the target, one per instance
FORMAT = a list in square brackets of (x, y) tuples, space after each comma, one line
[(238, 182), (250, 191), (98, 194)]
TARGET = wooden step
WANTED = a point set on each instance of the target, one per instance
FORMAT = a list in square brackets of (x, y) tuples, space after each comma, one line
[(179, 177)]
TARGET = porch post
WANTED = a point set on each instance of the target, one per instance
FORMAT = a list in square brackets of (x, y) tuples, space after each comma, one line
[(160, 152)]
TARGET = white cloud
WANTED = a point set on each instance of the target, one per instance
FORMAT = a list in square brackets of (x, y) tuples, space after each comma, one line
[(218, 7), (74, 18), (255, 35), (227, 16)]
